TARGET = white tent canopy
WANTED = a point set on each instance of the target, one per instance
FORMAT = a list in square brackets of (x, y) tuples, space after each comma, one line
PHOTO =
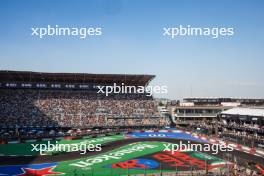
[(245, 112)]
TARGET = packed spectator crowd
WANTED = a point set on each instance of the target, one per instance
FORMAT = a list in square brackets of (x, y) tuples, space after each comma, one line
[(251, 135), (78, 109)]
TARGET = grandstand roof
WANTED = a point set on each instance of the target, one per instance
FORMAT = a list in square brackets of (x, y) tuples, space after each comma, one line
[(27, 76), (245, 112)]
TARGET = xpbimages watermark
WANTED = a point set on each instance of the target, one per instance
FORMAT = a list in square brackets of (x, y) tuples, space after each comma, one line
[(54, 147), (213, 32), (128, 89), (204, 147), (51, 31)]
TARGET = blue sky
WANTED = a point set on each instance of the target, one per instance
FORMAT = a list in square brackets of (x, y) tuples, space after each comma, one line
[(132, 42)]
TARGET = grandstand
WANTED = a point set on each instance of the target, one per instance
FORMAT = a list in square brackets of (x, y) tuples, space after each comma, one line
[(207, 108), (244, 126), (36, 102), (239, 120)]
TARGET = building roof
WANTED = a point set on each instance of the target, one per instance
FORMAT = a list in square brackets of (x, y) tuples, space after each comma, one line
[(202, 107), (221, 98), (245, 112), (28, 76)]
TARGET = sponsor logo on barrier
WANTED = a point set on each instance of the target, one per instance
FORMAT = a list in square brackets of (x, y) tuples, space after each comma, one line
[(178, 135)]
